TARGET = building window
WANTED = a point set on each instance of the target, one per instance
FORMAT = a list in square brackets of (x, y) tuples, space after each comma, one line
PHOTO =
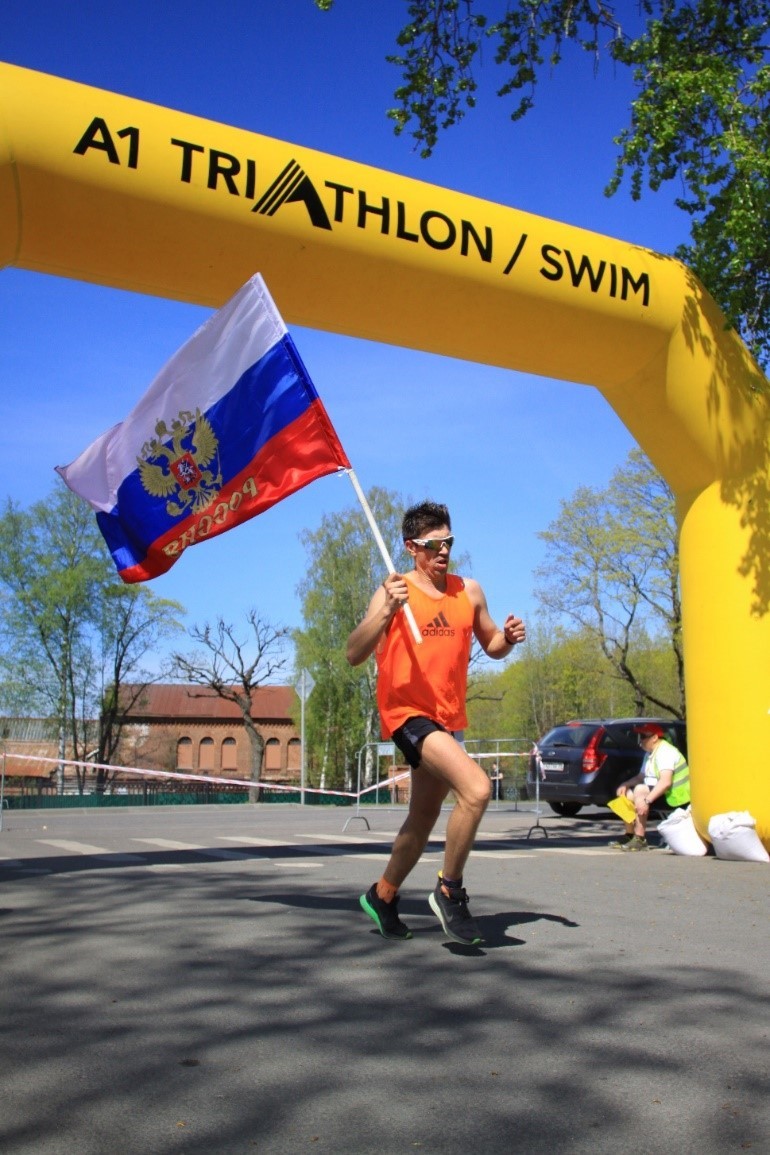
[(272, 754), (229, 754), (295, 754), (184, 754), (206, 755)]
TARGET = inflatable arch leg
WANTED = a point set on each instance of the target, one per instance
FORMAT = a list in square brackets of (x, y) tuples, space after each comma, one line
[(107, 189)]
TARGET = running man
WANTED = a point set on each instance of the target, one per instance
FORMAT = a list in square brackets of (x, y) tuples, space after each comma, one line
[(421, 691)]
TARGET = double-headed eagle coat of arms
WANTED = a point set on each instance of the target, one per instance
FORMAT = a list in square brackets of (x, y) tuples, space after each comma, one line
[(182, 464)]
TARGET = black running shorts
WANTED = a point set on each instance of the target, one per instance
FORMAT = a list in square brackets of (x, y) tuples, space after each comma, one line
[(409, 737)]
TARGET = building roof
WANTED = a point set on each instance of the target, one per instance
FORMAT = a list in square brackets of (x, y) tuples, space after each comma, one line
[(268, 703), (28, 729), (16, 768), (25, 740)]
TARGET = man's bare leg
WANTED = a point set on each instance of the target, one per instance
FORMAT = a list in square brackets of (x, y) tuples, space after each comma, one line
[(444, 766), (425, 799), (444, 757), (642, 810)]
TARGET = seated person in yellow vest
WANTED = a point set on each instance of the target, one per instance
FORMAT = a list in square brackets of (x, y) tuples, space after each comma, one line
[(664, 772), (421, 699)]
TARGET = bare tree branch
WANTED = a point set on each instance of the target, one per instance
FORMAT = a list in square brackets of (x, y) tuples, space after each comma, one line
[(233, 666)]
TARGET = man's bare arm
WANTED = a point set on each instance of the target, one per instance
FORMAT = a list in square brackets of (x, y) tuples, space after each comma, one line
[(385, 604)]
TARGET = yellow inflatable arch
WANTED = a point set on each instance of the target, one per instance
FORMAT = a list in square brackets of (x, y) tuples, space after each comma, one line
[(107, 189)]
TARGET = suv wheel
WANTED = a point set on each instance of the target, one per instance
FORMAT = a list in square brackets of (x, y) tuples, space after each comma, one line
[(566, 809)]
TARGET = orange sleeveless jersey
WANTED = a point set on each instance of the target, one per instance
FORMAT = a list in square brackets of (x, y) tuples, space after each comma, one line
[(430, 679)]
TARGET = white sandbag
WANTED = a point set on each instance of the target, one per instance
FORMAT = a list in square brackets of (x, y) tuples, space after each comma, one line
[(734, 836), (680, 835)]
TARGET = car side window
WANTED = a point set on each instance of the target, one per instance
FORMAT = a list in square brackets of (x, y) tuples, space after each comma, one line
[(620, 737)]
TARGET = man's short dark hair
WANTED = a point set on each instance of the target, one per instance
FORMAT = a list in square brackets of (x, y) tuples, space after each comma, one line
[(421, 519)]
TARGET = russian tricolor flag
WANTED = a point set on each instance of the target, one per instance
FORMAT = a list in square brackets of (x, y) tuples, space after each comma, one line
[(231, 425)]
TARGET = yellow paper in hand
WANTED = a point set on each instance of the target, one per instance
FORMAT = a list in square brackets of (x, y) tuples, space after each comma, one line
[(623, 807)]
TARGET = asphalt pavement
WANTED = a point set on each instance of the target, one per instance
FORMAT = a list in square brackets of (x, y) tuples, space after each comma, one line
[(201, 980)]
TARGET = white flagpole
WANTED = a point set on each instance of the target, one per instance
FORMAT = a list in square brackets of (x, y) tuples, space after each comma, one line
[(383, 549)]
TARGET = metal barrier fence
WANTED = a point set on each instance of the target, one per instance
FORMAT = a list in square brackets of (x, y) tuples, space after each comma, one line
[(504, 759)]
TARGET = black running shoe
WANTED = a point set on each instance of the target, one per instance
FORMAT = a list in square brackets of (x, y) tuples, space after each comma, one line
[(636, 843), (620, 843), (384, 914), (452, 913)]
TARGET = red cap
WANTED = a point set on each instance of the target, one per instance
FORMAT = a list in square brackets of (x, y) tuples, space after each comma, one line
[(648, 729)]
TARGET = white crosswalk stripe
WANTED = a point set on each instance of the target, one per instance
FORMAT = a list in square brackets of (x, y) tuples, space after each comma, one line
[(225, 855), (167, 844), (85, 849), (295, 850), (245, 840), (346, 839)]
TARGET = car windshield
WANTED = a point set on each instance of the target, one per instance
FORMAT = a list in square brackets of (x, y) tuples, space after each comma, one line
[(576, 736)]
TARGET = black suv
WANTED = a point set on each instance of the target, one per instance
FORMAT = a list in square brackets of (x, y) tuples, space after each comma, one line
[(583, 763)]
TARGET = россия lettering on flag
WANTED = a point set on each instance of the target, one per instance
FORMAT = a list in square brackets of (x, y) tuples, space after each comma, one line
[(231, 425)]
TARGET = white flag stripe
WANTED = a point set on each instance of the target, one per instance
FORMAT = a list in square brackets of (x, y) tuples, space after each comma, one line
[(218, 354)]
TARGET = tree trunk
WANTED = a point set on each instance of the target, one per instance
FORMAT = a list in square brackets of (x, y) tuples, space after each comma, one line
[(257, 747)]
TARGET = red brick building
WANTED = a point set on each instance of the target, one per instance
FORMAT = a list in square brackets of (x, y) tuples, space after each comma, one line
[(192, 730), (170, 727), (34, 738)]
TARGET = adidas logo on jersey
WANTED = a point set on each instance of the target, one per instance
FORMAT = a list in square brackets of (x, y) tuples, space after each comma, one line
[(438, 628)]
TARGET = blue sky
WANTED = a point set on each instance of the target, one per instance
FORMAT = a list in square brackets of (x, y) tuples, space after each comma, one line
[(502, 449)]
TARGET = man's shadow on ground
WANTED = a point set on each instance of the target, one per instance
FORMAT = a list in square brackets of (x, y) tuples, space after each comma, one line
[(496, 928)]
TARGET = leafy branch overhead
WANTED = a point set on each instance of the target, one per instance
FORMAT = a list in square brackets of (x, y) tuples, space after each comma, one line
[(699, 116)]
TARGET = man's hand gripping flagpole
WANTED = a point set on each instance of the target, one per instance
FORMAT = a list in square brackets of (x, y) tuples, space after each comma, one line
[(383, 549)]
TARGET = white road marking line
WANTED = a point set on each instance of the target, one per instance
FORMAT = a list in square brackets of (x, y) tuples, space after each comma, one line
[(259, 862), (83, 848), (345, 838), (227, 855), (168, 844), (583, 850), (479, 851), (73, 847), (206, 851), (244, 840), (371, 858)]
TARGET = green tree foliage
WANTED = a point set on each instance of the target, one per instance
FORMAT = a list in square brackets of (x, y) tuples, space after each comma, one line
[(344, 568), (71, 634), (612, 569), (699, 115), (562, 674), (129, 623), (607, 641)]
